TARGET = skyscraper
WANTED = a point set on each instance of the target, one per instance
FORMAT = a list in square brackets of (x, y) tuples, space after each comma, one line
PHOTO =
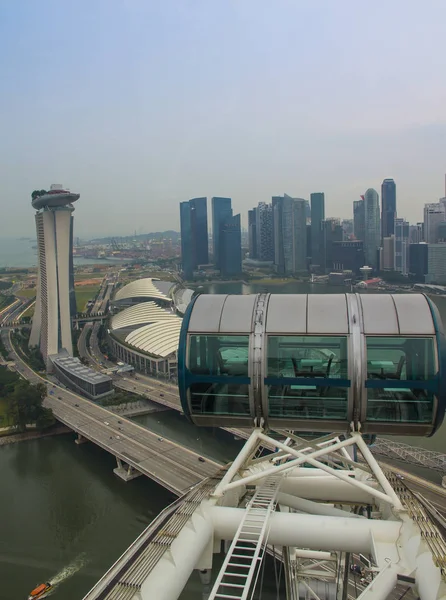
[(194, 235), (264, 232), (372, 235), (221, 210), (230, 250), (317, 201), (252, 233), (277, 207), (359, 219), (402, 246), (51, 328), (388, 208), (332, 231), (433, 215)]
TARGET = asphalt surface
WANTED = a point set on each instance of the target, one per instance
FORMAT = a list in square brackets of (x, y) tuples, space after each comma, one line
[(164, 461)]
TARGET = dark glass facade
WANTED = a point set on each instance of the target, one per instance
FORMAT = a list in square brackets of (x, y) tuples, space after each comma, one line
[(388, 208), (418, 261), (252, 233), (221, 211), (317, 216), (194, 235), (332, 231), (230, 250), (359, 219), (347, 256)]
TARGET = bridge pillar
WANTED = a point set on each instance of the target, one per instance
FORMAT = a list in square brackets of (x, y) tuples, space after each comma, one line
[(80, 440), (125, 472)]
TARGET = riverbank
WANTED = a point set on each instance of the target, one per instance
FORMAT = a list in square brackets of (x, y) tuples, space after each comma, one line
[(26, 436)]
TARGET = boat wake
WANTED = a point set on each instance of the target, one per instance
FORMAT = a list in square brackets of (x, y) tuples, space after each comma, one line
[(73, 567)]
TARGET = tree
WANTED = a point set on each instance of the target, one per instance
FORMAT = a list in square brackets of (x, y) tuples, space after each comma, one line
[(25, 405)]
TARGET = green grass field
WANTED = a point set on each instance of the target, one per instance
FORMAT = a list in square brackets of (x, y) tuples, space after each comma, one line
[(85, 293), (28, 293)]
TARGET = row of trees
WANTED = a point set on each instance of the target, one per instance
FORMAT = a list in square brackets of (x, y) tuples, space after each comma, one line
[(23, 402)]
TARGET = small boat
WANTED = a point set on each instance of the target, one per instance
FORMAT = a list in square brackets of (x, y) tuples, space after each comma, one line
[(40, 591)]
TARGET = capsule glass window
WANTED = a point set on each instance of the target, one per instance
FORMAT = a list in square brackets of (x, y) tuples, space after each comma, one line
[(401, 379), (307, 377), (219, 374)]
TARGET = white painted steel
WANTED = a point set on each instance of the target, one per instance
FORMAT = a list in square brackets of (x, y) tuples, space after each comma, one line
[(326, 490), (244, 454), (168, 578), (315, 532), (327, 314), (314, 508), (377, 471)]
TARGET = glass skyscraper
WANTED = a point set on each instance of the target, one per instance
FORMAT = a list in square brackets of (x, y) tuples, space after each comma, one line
[(372, 234), (290, 234), (388, 208), (194, 235), (230, 246), (221, 211), (317, 216), (359, 219)]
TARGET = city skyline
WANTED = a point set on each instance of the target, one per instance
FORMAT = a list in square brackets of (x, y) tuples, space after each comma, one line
[(168, 114)]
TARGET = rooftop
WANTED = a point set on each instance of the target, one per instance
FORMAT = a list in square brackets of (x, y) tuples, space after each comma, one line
[(75, 367)]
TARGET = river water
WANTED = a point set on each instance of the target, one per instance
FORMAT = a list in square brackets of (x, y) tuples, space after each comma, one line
[(64, 515)]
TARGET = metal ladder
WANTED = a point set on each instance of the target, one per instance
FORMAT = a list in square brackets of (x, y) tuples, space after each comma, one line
[(244, 555)]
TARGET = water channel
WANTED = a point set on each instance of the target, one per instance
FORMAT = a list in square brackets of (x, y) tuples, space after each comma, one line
[(65, 516)]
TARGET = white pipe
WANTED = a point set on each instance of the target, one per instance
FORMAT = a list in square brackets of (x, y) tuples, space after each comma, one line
[(314, 508), (382, 585), (293, 463), (311, 460), (326, 489), (310, 531), (312, 472), (377, 471), (242, 457), (313, 554), (168, 578)]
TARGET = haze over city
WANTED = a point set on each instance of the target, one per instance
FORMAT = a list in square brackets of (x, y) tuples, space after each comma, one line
[(140, 105)]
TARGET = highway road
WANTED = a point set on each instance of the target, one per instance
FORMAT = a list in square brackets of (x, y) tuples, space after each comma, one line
[(164, 461)]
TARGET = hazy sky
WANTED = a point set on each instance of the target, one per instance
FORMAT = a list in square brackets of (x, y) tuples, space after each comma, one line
[(139, 104)]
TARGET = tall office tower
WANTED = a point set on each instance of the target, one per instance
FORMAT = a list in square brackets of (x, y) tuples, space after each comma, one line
[(194, 235), (252, 233), (372, 234), (387, 255), (388, 208), (221, 210), (418, 261), (332, 231), (433, 215), (347, 226), (230, 250), (415, 233), (51, 328), (277, 207), (264, 232), (347, 255), (317, 216), (359, 219), (402, 246), (294, 227)]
